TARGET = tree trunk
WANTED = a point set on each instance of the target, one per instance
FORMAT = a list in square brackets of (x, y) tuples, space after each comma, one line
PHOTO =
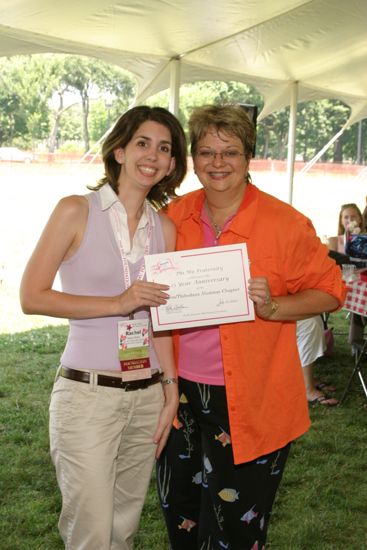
[(266, 145), (85, 106), (55, 129), (338, 151)]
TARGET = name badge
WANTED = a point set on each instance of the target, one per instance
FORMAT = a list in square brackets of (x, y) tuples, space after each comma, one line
[(133, 349)]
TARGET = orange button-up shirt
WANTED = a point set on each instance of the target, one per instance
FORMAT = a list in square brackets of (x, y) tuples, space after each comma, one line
[(265, 390)]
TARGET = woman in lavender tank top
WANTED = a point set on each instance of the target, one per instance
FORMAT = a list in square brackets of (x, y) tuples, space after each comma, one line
[(109, 416)]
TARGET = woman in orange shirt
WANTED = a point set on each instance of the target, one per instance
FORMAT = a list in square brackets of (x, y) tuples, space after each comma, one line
[(242, 395)]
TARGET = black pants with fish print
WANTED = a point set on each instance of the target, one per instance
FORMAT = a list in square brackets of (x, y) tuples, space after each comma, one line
[(208, 502)]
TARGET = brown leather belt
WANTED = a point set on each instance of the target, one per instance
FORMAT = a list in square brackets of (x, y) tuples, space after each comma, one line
[(110, 381)]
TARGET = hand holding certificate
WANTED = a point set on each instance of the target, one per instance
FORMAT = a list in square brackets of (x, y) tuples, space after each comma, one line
[(208, 286)]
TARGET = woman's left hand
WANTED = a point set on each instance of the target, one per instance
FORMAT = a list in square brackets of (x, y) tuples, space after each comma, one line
[(166, 419), (260, 294)]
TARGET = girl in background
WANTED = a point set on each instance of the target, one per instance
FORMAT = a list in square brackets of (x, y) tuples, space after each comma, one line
[(349, 215), (350, 219)]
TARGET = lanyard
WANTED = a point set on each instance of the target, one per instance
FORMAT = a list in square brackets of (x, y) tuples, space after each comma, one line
[(125, 263)]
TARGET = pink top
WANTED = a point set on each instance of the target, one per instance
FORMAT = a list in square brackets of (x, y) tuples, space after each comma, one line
[(202, 344)]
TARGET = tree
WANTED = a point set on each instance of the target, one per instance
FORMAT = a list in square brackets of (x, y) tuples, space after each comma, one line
[(33, 89), (24, 94), (87, 75), (207, 92), (35, 107), (60, 87)]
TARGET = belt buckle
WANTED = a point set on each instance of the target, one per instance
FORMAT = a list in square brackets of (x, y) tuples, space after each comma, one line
[(137, 384), (141, 384), (133, 385)]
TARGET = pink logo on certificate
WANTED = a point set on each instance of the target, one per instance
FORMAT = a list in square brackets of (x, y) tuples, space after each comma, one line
[(163, 264)]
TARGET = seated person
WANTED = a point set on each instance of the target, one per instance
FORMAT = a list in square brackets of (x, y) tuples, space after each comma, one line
[(311, 345), (350, 219), (349, 216)]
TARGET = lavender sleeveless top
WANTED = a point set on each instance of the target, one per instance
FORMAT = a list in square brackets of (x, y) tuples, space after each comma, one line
[(96, 270)]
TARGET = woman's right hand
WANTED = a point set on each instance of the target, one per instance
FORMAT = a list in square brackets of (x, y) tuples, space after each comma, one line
[(142, 294)]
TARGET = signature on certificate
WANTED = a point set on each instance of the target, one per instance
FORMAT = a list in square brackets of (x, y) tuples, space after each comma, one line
[(222, 302), (175, 308)]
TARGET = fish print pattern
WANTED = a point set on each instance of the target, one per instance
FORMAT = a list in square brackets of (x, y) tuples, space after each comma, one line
[(206, 472)]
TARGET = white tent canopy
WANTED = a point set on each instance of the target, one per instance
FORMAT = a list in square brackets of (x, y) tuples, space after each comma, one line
[(290, 50), (271, 44)]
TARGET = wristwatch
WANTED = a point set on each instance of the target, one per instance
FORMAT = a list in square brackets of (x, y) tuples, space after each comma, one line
[(274, 308), (169, 381)]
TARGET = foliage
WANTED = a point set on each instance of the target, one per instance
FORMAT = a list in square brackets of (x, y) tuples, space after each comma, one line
[(83, 75), (317, 121), (103, 115), (25, 88), (33, 91), (70, 146), (321, 504), (202, 93), (275, 128), (70, 129), (34, 109)]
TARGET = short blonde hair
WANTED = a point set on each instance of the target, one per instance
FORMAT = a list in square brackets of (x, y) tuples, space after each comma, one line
[(230, 119)]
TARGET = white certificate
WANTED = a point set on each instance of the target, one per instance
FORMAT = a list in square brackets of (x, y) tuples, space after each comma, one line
[(208, 286)]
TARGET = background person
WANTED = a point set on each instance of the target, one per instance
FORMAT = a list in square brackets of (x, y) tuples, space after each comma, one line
[(350, 218), (242, 394), (106, 429), (311, 345), (349, 214)]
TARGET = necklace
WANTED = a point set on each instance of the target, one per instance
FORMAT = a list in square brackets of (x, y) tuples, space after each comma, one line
[(217, 230)]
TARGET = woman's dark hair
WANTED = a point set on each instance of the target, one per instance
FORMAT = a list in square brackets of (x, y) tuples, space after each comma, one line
[(122, 133)]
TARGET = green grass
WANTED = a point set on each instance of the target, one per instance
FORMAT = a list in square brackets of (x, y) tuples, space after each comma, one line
[(321, 505)]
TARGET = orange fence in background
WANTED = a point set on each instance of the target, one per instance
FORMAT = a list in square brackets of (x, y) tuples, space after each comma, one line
[(257, 165), (65, 157)]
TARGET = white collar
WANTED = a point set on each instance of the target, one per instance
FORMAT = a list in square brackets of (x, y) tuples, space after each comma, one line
[(108, 198)]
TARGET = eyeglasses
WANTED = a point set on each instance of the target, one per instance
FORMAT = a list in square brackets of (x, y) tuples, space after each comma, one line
[(210, 154)]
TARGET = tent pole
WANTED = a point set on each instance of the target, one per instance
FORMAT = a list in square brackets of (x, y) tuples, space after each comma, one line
[(175, 82), (318, 155), (292, 140), (359, 143)]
